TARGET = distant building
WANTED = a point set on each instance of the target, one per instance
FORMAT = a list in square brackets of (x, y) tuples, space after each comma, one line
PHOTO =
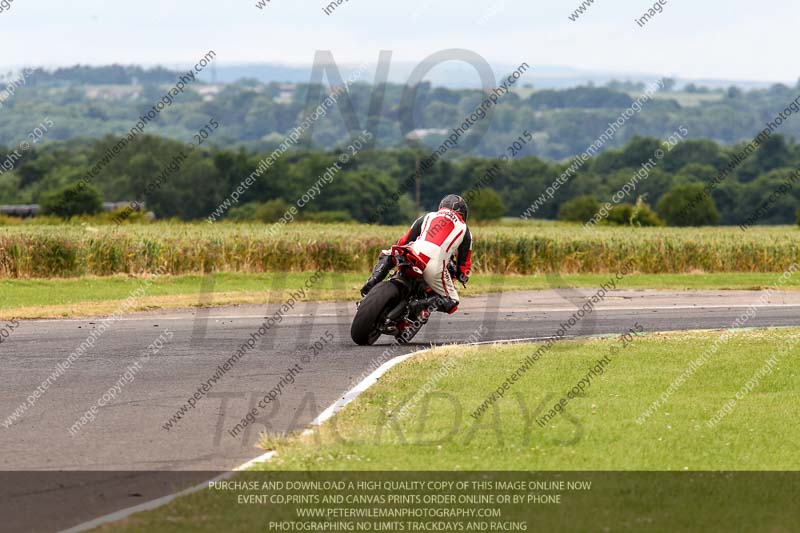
[(22, 211), (425, 132), (31, 210)]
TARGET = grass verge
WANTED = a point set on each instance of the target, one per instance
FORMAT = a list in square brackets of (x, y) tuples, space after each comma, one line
[(92, 296), (597, 431), (600, 431)]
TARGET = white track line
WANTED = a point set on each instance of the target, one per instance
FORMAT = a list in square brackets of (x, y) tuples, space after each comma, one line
[(365, 383), (324, 416), (148, 506), (152, 318), (510, 311)]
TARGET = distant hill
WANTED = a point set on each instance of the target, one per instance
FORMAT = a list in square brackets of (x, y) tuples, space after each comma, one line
[(460, 75), (110, 75), (97, 101), (453, 75)]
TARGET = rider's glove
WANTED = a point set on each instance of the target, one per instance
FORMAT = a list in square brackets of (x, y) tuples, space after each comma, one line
[(463, 278)]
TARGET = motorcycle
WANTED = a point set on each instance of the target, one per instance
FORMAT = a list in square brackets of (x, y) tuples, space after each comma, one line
[(399, 306)]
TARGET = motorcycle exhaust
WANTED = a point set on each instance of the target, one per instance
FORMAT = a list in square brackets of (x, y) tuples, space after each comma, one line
[(395, 313)]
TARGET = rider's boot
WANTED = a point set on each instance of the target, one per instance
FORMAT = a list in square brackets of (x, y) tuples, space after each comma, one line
[(447, 305), (382, 268), (436, 303)]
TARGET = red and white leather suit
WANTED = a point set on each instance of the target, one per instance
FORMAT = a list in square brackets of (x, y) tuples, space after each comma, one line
[(435, 238)]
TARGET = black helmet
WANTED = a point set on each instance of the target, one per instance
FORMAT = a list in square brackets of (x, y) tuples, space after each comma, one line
[(456, 203)]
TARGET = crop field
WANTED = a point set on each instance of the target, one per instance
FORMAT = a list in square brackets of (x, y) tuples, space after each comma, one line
[(176, 248)]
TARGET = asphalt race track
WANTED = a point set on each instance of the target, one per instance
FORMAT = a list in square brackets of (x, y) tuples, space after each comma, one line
[(128, 436)]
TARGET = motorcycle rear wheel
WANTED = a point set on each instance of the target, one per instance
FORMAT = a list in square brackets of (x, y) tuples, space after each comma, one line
[(372, 311)]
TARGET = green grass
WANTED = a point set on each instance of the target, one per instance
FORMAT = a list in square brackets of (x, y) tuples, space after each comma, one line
[(603, 423), (599, 433), (48, 298)]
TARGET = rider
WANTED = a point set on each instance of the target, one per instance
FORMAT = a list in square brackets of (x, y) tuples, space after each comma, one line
[(435, 237)]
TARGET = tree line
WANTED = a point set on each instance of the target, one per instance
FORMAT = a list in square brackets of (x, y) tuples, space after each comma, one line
[(193, 188)]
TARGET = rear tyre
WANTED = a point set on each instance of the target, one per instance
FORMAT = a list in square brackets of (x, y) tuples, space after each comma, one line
[(372, 312)]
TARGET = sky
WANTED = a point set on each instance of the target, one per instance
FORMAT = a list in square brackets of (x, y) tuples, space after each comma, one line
[(731, 39)]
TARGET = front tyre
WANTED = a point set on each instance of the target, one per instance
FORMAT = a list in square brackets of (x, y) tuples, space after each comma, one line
[(372, 312)]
